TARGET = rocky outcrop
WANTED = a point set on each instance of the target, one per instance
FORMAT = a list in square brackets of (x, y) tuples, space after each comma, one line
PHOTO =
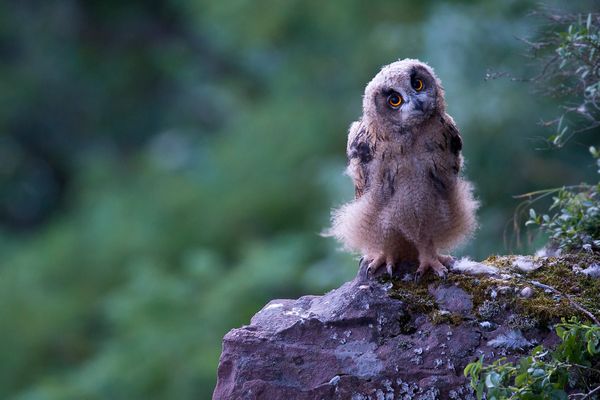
[(381, 339)]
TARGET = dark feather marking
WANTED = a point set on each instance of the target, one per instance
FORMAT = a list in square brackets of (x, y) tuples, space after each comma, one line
[(429, 147), (455, 139), (438, 184), (360, 150), (456, 144), (390, 178), (364, 152)]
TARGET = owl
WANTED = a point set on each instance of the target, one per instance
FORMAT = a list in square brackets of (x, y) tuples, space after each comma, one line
[(411, 203)]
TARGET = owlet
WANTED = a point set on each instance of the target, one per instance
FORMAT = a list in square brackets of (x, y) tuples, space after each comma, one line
[(404, 155)]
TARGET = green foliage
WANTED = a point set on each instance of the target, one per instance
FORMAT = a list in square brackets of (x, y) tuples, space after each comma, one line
[(572, 74), (544, 374), (571, 71), (574, 219)]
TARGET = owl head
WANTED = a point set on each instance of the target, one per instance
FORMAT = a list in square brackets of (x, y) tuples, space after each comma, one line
[(403, 95)]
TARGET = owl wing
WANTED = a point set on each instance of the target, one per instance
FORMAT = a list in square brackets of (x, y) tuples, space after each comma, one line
[(448, 162), (453, 143), (360, 151)]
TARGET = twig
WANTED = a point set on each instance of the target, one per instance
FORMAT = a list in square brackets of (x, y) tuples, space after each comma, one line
[(587, 396), (582, 367)]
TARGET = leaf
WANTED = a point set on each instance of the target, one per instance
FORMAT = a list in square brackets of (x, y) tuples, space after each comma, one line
[(479, 391), (591, 348), (521, 379), (492, 379), (532, 214), (468, 369), (560, 332), (559, 394)]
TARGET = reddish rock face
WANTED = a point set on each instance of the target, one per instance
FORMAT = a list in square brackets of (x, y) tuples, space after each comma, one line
[(354, 343)]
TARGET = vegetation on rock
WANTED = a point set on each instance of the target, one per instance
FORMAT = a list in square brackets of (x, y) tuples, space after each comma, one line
[(571, 71), (572, 223), (568, 372)]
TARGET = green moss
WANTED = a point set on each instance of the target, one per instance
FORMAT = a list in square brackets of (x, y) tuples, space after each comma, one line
[(445, 317), (542, 307), (414, 294), (558, 273)]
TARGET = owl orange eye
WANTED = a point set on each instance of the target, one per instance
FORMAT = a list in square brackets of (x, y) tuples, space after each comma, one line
[(418, 85), (394, 100)]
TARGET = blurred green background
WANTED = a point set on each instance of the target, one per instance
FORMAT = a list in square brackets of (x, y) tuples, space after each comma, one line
[(166, 167)]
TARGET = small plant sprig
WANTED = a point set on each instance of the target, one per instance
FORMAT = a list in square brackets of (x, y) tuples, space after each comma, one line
[(571, 71), (545, 374), (573, 221), (569, 55)]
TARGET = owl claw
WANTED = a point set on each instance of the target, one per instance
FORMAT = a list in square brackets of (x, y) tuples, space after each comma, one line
[(377, 263), (443, 274), (390, 269), (447, 261), (418, 276), (433, 264)]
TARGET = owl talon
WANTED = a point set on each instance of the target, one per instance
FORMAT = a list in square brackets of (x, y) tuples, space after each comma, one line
[(419, 276), (434, 265), (390, 269), (379, 262), (375, 264), (443, 274), (447, 261)]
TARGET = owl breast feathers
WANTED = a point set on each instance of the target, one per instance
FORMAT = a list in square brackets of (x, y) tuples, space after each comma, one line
[(404, 156)]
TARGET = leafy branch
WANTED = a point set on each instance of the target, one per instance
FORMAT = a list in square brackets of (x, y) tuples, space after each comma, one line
[(545, 374), (570, 51), (573, 220)]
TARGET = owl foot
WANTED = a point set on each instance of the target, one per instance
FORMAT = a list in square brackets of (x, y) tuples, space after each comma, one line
[(378, 262), (447, 261), (433, 264)]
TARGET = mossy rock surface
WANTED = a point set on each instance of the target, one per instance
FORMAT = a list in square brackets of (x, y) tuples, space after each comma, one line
[(376, 337), (547, 292)]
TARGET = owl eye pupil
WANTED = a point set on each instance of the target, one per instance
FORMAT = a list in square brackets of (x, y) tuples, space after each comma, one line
[(418, 85)]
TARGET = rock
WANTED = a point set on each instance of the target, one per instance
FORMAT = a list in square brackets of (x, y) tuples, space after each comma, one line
[(487, 325), (355, 342), (526, 292), (592, 271), (452, 298), (374, 339)]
